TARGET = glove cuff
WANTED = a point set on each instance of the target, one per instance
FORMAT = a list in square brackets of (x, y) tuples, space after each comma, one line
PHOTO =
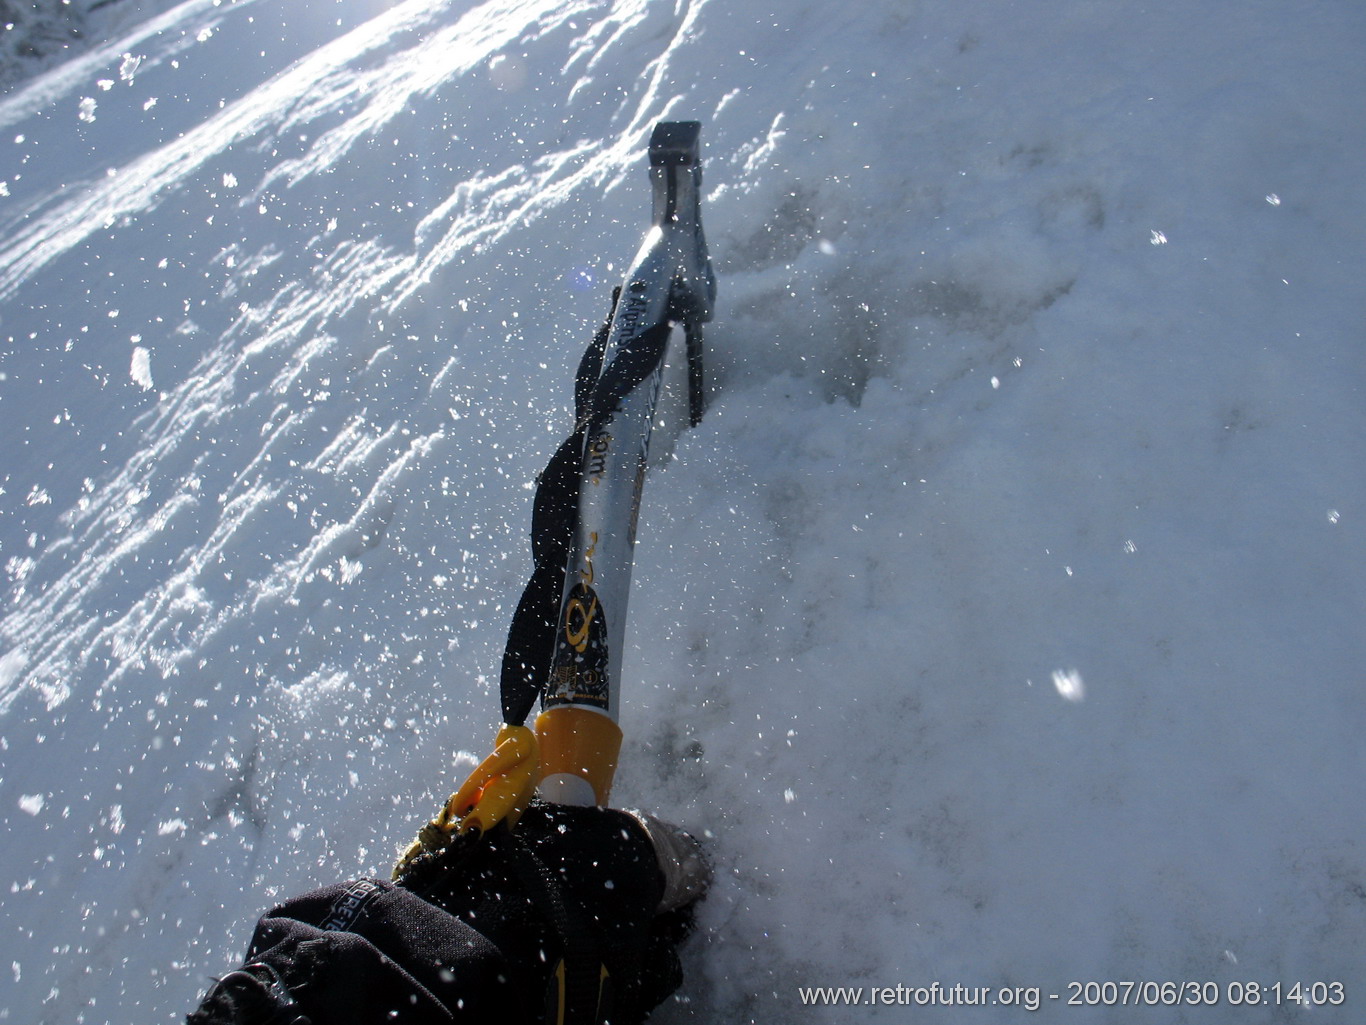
[(681, 859)]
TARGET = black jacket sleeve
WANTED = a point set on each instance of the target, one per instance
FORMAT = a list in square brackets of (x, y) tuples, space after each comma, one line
[(363, 952), (554, 921)]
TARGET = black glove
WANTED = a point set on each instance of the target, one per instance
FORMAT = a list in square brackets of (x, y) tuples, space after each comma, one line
[(575, 913)]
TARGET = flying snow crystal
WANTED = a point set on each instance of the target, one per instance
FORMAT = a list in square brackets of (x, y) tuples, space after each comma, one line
[(229, 180), (1158, 239), (87, 111), (141, 370), (1333, 516), (172, 826), (1273, 199), (129, 67), (581, 279), (1069, 684), (150, 104), (31, 803)]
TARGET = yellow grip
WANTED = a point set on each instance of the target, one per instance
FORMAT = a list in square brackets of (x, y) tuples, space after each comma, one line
[(578, 744)]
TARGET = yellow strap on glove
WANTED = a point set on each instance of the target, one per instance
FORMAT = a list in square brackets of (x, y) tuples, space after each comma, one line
[(499, 789)]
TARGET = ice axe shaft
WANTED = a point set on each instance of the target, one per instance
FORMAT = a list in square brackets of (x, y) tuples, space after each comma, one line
[(665, 297)]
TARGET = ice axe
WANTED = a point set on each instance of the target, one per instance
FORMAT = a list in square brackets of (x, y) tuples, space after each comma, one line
[(566, 638)]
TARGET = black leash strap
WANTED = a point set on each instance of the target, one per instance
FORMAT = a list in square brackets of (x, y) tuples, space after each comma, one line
[(554, 518)]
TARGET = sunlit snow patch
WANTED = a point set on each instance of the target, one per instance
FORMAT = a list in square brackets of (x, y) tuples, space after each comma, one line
[(12, 666)]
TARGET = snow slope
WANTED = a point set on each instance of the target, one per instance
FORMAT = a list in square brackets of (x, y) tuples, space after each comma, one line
[(37, 35), (1002, 621)]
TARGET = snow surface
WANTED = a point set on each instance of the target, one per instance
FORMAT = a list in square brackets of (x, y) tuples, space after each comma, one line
[(1002, 623)]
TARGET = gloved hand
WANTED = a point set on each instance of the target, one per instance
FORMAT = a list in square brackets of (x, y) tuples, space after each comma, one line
[(577, 912)]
